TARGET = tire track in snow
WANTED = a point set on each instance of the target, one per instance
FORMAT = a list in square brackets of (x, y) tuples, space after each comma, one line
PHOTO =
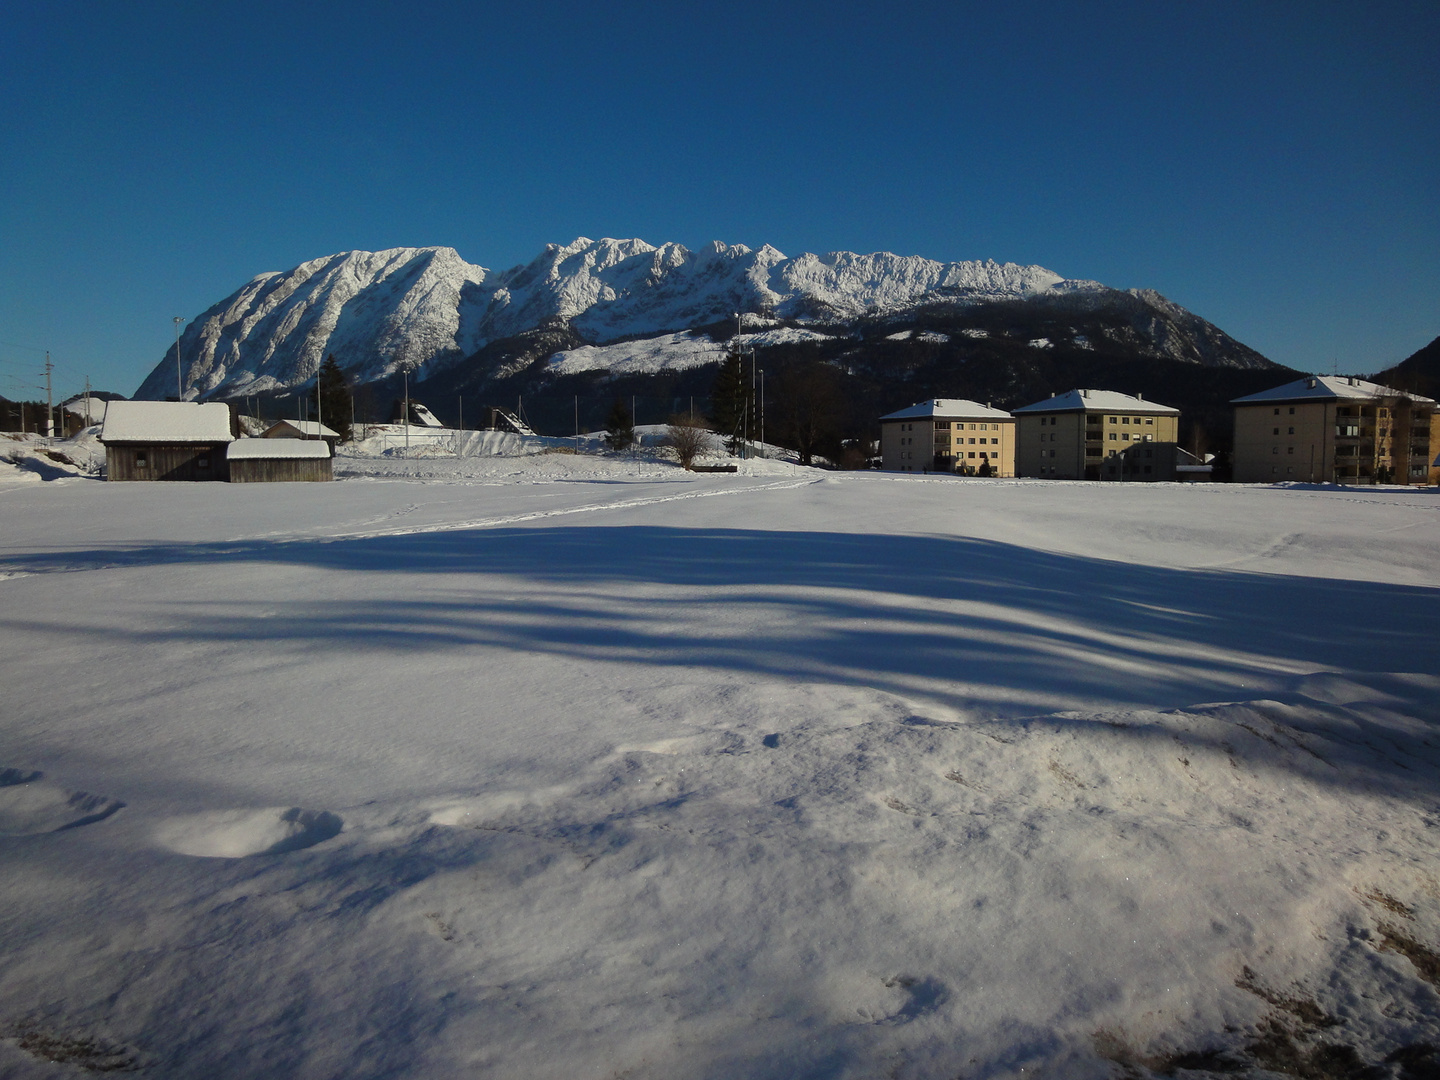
[(537, 515), (118, 562)]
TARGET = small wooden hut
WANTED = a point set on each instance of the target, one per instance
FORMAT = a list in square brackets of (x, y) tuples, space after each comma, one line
[(166, 440), (255, 461), (303, 429)]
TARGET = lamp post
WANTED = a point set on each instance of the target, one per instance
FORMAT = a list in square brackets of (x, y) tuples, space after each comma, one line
[(179, 388)]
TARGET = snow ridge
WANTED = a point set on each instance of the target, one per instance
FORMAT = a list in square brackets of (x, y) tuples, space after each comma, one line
[(426, 308)]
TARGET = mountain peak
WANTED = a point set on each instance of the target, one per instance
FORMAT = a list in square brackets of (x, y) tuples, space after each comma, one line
[(425, 308)]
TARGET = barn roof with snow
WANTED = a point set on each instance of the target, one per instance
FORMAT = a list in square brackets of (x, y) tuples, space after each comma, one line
[(309, 429), (166, 422)]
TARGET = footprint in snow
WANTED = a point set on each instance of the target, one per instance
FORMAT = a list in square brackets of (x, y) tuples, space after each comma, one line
[(235, 834), (29, 804)]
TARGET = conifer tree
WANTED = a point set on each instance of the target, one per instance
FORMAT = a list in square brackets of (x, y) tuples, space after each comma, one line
[(619, 431), (334, 391), (730, 399)]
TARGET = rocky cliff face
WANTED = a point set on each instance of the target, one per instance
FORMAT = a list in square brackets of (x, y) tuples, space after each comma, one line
[(427, 310)]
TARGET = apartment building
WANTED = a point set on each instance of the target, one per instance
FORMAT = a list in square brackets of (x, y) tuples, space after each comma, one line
[(1335, 429), (1097, 435), (949, 435)]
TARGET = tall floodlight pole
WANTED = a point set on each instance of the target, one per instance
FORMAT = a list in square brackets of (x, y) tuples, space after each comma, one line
[(49, 402), (762, 408), (406, 369), (179, 389)]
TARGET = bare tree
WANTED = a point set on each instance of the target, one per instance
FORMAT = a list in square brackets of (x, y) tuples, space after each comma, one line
[(688, 436)]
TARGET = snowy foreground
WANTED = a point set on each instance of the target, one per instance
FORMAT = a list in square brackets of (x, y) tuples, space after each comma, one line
[(570, 768)]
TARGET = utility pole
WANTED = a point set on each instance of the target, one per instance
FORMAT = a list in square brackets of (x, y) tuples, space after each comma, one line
[(762, 407), (407, 410), (179, 389), (49, 400), (87, 400)]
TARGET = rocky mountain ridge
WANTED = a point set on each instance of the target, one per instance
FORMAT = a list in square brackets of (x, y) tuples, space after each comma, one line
[(429, 311)]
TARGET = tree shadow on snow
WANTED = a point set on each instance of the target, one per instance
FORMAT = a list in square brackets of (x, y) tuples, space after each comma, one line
[(956, 620)]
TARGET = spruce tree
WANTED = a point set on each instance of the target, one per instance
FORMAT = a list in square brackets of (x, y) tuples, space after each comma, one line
[(334, 391), (730, 398), (619, 431)]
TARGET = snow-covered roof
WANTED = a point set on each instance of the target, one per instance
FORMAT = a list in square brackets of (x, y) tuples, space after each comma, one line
[(1328, 388), (1098, 401), (252, 449), (166, 422), (948, 409), (312, 428)]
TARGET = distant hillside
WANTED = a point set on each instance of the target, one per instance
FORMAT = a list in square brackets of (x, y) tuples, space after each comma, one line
[(1419, 372)]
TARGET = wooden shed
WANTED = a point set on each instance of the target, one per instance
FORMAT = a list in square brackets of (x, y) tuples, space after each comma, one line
[(303, 429), (257, 461), (166, 440)]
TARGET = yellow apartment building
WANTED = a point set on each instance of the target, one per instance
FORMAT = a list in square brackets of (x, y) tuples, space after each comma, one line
[(1097, 435), (1335, 429), (949, 435)]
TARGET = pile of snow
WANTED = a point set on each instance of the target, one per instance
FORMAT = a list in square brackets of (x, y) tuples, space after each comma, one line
[(573, 773), (26, 457)]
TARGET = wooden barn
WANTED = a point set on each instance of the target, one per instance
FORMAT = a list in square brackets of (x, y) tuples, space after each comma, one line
[(166, 440), (303, 429), (274, 460)]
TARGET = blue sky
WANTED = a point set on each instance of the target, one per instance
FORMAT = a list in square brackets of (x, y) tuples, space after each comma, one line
[(1273, 167)]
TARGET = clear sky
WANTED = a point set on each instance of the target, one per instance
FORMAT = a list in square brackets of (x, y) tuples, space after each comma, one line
[(1274, 167)]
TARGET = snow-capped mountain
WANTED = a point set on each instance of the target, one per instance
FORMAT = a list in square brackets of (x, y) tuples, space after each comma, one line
[(426, 309)]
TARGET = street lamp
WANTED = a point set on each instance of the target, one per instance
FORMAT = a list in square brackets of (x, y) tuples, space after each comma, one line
[(179, 388)]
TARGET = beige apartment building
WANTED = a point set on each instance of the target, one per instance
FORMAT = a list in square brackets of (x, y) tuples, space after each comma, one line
[(1335, 429), (1097, 435), (949, 435)]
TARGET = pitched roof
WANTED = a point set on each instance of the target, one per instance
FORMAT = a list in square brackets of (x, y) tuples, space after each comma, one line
[(166, 422), (1328, 388), (251, 449), (948, 409), (1097, 401), (312, 428)]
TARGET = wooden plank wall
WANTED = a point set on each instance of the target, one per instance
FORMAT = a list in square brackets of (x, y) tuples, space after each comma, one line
[(280, 470), (164, 462)]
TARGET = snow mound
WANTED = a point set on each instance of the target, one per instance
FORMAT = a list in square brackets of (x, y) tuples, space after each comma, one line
[(235, 834), (30, 805)]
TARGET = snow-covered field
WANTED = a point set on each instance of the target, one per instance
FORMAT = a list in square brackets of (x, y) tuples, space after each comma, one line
[(566, 766)]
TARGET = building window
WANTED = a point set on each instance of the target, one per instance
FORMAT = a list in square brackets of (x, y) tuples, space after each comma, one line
[(1277, 431), (1292, 431), (1290, 450), (202, 463), (1277, 412), (972, 453), (140, 458), (1113, 419), (1113, 436), (1292, 410), (1125, 437), (945, 424), (1274, 450), (1149, 420), (1124, 420)]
